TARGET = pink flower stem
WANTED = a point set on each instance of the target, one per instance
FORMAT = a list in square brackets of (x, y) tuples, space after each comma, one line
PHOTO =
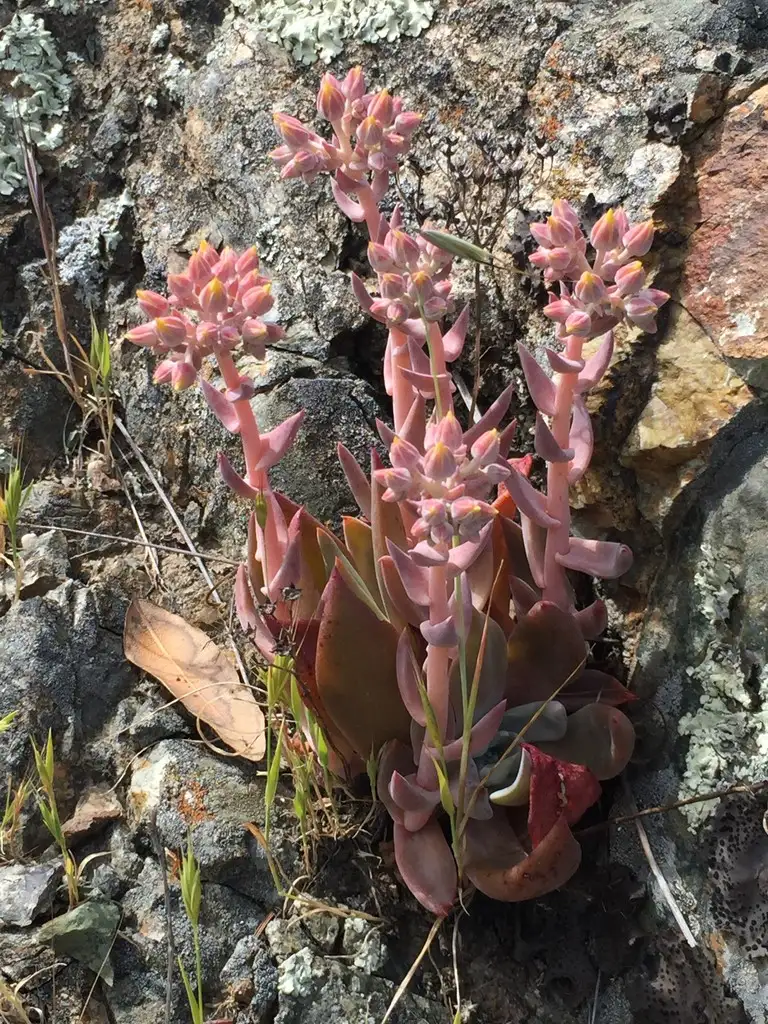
[(437, 667), (402, 391), (373, 217), (556, 586), (437, 365), (249, 428)]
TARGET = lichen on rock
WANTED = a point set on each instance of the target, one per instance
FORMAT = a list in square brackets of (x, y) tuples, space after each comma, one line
[(312, 29), (35, 87)]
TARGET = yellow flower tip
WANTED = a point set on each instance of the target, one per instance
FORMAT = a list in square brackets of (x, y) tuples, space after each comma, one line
[(610, 217)]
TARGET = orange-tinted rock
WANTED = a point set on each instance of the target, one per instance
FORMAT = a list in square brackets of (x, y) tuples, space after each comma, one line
[(725, 269)]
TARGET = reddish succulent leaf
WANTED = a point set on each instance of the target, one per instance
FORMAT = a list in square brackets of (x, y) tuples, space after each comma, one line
[(356, 478), (356, 674), (426, 863), (544, 650), (592, 620), (386, 524), (491, 418), (496, 864), (394, 757), (359, 542), (595, 687), (540, 386), (535, 545), (600, 737), (397, 598), (492, 671), (557, 789), (516, 560)]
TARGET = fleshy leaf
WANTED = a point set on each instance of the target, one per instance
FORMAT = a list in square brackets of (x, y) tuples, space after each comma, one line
[(558, 790), (407, 678), (426, 864), (397, 598), (544, 650), (233, 480), (594, 686), (221, 407), (411, 797), (601, 558), (348, 207), (529, 500), (539, 384), (415, 578), (496, 864), (560, 364), (356, 478), (545, 444), (600, 737), (596, 366), (516, 794), (386, 524), (356, 670), (581, 440), (453, 340), (491, 418), (481, 735), (490, 688), (359, 541), (276, 443), (592, 620)]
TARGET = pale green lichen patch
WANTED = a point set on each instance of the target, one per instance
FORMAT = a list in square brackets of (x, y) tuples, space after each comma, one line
[(312, 29), (33, 85), (728, 735)]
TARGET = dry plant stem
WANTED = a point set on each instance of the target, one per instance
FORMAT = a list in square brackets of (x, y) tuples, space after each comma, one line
[(403, 986), (716, 794), (130, 540), (169, 940), (666, 892), (556, 586)]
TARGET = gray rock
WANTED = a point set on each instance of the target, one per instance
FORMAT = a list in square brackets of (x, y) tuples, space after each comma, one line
[(26, 891), (249, 980), (191, 793), (45, 563), (314, 990), (63, 671)]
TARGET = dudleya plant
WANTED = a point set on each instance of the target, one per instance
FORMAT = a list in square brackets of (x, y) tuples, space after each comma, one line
[(440, 638)]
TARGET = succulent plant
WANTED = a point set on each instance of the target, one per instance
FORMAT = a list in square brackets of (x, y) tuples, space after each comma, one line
[(439, 638)]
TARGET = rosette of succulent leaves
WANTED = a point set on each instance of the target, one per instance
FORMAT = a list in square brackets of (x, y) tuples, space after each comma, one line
[(438, 638)]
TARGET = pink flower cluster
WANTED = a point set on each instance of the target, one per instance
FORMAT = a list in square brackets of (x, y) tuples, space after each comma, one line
[(215, 305), (382, 132), (605, 292), (449, 484), (413, 279)]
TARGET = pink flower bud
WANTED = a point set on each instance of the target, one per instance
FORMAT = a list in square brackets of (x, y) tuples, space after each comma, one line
[(182, 286), (379, 309), (542, 234), (433, 511), (370, 132), (629, 279), (560, 258), (353, 85), (590, 288), (398, 312), (281, 155), (658, 298), (152, 303), (495, 473), (622, 221), (331, 102), (558, 310), (404, 455), (639, 239), (254, 330), (563, 210), (213, 298), (605, 234), (274, 333), (435, 308), (407, 123), (421, 284), (560, 231), (208, 254), (397, 481), (183, 375), (540, 258), (198, 270), (163, 372), (207, 334), (144, 334), (471, 515), (391, 286), (642, 312), (224, 267), (439, 462), (172, 330), (486, 447), (381, 107), (257, 301), (247, 262), (448, 431), (292, 130), (380, 258), (578, 323), (229, 336)]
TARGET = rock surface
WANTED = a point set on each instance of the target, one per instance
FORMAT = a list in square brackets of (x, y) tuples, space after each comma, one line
[(658, 104)]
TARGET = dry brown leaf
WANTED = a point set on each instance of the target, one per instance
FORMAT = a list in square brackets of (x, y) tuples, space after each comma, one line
[(198, 673)]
